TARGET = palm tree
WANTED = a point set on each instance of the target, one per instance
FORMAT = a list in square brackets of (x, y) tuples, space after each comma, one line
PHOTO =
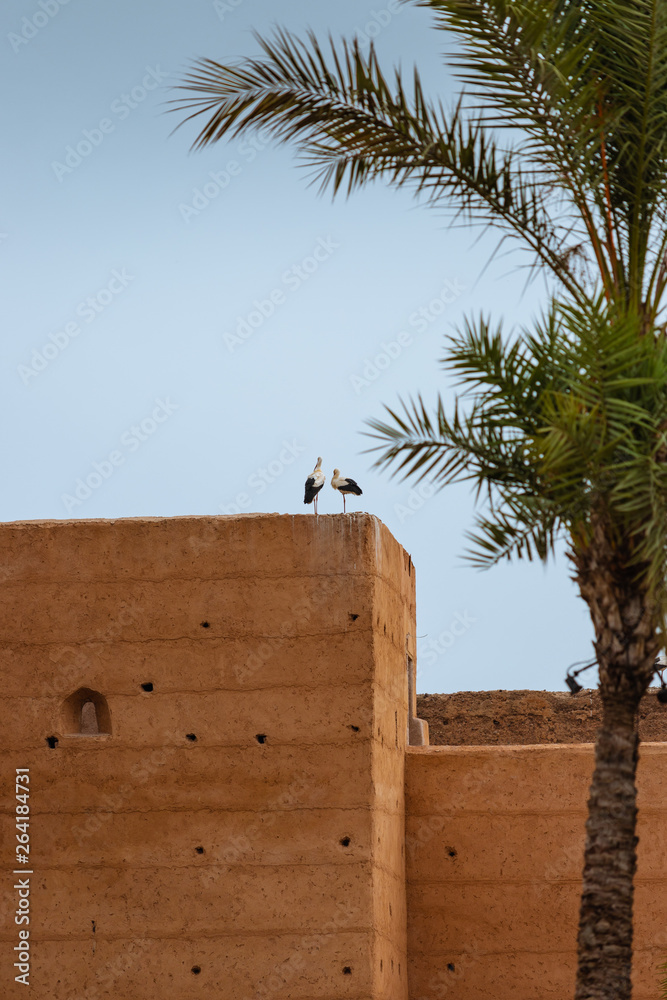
[(559, 141)]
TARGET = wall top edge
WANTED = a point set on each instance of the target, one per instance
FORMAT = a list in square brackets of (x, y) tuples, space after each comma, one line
[(515, 749), (218, 518)]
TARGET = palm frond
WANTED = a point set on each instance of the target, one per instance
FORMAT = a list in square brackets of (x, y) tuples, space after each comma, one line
[(351, 127), (568, 419)]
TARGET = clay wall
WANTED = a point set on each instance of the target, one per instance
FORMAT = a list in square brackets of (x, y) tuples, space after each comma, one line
[(245, 821), (239, 832), (494, 847)]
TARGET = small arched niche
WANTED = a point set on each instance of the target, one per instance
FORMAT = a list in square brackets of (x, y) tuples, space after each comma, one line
[(86, 713)]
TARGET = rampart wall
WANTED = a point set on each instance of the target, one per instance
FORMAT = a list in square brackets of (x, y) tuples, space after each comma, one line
[(214, 714), (494, 847), (239, 831)]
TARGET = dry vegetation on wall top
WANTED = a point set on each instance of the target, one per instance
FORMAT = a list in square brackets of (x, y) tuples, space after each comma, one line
[(480, 718)]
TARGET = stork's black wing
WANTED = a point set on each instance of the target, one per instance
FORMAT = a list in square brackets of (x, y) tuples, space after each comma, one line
[(349, 486), (311, 490)]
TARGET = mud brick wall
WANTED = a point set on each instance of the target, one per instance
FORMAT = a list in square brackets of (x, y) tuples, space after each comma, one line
[(494, 847), (238, 829)]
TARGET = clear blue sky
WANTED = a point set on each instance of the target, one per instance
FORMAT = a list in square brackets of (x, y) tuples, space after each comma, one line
[(193, 330)]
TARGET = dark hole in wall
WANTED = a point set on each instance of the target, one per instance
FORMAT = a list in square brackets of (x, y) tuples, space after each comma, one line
[(452, 852), (147, 686), (345, 841), (355, 729), (191, 737), (52, 741), (352, 617), (261, 737), (347, 970), (450, 966), (205, 624), (199, 850), (196, 969)]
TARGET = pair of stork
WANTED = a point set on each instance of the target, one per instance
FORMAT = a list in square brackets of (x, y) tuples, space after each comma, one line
[(317, 479)]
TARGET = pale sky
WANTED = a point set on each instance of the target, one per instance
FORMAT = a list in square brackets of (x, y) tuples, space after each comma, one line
[(189, 331)]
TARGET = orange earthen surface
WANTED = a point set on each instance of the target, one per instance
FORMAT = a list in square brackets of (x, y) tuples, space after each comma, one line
[(239, 832), (494, 848), (242, 818)]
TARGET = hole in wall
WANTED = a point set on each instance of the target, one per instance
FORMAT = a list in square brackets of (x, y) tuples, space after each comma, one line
[(450, 966), (86, 713), (199, 850), (495, 722), (347, 970), (196, 969), (261, 737), (380, 965), (147, 686), (390, 909), (205, 624), (52, 741), (355, 729), (191, 737), (452, 852), (345, 841), (352, 617)]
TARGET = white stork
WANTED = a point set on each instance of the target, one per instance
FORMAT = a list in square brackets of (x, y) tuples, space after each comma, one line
[(314, 484), (344, 485)]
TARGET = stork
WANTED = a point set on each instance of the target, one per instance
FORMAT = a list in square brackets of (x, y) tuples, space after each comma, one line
[(344, 485), (314, 484)]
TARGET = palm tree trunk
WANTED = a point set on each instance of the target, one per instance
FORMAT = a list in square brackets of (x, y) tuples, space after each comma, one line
[(605, 919), (626, 646)]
